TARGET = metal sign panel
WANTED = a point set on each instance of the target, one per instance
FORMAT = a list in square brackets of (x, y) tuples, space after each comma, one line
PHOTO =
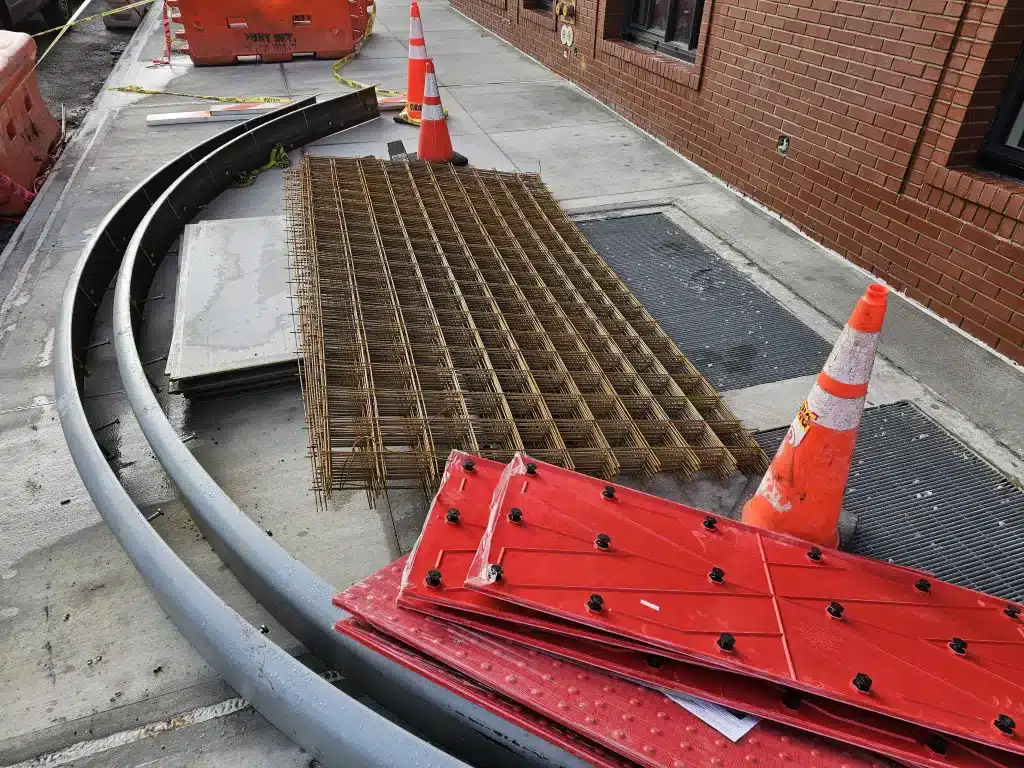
[(836, 625), (635, 721), (887, 736), (472, 691), (436, 569)]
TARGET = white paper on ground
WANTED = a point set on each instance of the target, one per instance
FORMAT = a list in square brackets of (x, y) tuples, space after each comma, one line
[(731, 724)]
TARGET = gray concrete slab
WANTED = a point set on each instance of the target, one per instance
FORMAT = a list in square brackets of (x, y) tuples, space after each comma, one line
[(382, 44), (527, 106), (479, 148), (240, 80), (476, 68), (437, 18), (767, 406), (264, 197), (232, 306), (461, 42), (385, 129), (629, 161), (958, 369), (305, 78)]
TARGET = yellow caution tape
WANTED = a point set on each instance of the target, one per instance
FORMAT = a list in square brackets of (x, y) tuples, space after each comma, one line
[(228, 99), (278, 159), (94, 16), (340, 63)]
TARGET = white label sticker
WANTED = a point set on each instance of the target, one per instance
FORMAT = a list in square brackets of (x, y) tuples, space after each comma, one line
[(731, 724), (801, 423)]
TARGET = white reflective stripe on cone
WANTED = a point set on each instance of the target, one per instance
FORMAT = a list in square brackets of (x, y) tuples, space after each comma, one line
[(770, 491), (430, 88), (417, 51), (415, 28), (432, 112), (835, 413), (852, 357)]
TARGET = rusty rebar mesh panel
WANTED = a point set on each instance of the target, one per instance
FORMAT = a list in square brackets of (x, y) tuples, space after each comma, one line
[(446, 309)]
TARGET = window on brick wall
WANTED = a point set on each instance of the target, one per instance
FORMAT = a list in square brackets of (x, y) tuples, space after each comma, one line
[(538, 5), (668, 26), (1004, 146)]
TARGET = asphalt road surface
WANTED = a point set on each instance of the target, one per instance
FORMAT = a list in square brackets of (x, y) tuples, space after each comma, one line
[(73, 73)]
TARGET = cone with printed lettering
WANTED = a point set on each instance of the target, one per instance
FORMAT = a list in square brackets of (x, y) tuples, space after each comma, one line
[(417, 69), (802, 492), (435, 144)]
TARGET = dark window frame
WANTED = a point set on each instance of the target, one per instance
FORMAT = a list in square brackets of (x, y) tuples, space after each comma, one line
[(995, 155), (658, 40)]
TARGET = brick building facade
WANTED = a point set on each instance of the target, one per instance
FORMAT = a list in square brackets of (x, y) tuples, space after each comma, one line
[(887, 106)]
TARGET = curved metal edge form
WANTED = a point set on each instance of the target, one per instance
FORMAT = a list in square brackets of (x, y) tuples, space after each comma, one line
[(330, 725), (297, 597)]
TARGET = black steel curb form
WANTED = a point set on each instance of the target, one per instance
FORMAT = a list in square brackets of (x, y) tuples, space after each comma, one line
[(317, 716)]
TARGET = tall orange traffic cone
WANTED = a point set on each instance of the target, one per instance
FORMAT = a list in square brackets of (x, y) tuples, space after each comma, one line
[(417, 69), (802, 492), (435, 144)]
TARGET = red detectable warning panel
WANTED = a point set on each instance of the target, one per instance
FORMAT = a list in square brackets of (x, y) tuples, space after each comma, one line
[(836, 625), (887, 736), (634, 721), (437, 567), (526, 719)]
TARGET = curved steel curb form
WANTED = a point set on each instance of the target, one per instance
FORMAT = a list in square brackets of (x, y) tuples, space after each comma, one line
[(298, 597), (329, 724)]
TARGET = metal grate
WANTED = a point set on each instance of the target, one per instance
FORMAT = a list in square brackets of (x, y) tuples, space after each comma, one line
[(735, 333), (443, 308), (924, 500)]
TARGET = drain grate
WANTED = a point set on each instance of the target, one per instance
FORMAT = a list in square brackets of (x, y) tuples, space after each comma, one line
[(735, 333), (924, 500)]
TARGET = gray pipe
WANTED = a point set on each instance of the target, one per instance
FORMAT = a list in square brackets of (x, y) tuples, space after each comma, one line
[(296, 596), (330, 725)]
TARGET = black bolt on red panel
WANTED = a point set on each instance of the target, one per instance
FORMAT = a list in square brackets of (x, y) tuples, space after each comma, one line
[(889, 653), (450, 549), (634, 721), (892, 738)]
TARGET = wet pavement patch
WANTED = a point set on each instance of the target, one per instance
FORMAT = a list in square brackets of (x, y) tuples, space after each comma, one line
[(923, 499), (735, 333)]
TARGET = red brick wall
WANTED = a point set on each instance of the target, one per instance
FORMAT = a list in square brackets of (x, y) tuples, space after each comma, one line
[(885, 102)]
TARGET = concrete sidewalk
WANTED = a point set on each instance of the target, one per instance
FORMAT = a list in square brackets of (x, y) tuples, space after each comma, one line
[(81, 640)]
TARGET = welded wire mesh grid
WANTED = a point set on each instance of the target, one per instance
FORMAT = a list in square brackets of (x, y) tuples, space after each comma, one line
[(445, 308)]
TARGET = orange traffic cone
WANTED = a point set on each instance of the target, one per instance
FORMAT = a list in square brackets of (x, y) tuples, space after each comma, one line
[(802, 492), (417, 69), (435, 144)]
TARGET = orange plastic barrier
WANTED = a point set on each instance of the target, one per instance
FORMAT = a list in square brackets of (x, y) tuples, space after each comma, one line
[(220, 31), (28, 132)]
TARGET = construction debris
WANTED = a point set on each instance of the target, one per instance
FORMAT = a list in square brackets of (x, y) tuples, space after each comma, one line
[(445, 308), (216, 114), (598, 608)]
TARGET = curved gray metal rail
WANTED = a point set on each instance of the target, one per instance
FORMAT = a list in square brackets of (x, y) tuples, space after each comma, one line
[(335, 728), (297, 597)]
